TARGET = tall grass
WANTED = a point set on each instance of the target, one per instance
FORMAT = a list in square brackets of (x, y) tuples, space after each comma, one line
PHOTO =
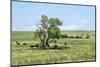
[(81, 49)]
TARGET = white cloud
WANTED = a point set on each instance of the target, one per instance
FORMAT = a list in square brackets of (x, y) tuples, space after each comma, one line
[(72, 27), (84, 22), (68, 27), (78, 26), (32, 28)]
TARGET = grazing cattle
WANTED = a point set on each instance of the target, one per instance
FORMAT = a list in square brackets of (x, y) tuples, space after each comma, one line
[(58, 47), (17, 43), (37, 45), (55, 46), (87, 36)]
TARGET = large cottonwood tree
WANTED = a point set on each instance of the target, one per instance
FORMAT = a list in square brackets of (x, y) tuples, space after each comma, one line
[(48, 27)]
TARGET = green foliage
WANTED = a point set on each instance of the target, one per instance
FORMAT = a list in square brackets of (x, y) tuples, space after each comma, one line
[(54, 22), (48, 28), (78, 36), (24, 43)]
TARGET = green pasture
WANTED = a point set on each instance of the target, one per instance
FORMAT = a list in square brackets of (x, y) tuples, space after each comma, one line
[(80, 49)]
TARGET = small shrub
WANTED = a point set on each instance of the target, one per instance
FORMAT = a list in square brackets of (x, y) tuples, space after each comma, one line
[(24, 43), (58, 37), (51, 41), (71, 37), (66, 36), (37, 45), (78, 36), (31, 46), (65, 43), (63, 36), (82, 34), (55, 41)]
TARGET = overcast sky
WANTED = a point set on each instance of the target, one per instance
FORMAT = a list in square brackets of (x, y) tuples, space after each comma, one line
[(26, 16)]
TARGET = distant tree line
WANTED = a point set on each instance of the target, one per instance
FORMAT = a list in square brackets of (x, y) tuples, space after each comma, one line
[(71, 36)]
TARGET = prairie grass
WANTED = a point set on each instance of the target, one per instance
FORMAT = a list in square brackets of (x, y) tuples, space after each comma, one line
[(80, 49)]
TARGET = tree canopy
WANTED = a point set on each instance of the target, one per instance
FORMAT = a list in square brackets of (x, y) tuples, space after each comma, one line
[(48, 28)]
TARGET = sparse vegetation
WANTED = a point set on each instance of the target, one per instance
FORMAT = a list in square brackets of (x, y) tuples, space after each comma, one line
[(77, 49), (51, 45), (31, 46), (65, 43)]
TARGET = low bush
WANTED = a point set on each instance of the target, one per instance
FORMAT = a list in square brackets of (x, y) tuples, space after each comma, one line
[(24, 43), (71, 37), (65, 43), (78, 36), (55, 41), (63, 36), (37, 45), (31, 46)]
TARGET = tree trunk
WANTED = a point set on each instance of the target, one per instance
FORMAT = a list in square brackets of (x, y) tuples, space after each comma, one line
[(42, 45), (47, 44), (47, 40)]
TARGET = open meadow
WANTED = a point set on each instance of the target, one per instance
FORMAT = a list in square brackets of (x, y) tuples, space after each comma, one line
[(79, 49)]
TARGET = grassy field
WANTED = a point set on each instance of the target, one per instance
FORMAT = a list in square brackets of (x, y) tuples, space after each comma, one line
[(80, 49)]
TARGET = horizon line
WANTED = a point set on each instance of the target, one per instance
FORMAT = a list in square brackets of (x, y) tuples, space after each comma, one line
[(61, 30)]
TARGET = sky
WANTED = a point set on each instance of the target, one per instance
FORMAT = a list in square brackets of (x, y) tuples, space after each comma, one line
[(26, 16)]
